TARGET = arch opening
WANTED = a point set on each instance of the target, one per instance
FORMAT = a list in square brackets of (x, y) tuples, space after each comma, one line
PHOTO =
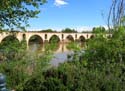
[(76, 36), (24, 36), (35, 43), (92, 36), (9, 39), (82, 39), (69, 38), (54, 39), (62, 36), (45, 36), (35, 39), (9, 48)]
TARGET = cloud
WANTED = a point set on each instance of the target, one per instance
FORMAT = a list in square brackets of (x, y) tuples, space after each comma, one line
[(60, 2)]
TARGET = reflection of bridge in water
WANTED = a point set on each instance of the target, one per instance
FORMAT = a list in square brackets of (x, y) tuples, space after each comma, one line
[(45, 36), (61, 47)]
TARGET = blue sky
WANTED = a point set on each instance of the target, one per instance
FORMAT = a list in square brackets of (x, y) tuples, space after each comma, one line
[(77, 14)]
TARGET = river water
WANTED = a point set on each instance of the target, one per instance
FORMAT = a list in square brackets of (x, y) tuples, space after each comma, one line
[(59, 54)]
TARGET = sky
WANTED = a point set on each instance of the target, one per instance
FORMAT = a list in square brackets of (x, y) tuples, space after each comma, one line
[(76, 14)]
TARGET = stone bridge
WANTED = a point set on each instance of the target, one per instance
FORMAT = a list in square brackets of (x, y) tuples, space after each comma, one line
[(46, 36)]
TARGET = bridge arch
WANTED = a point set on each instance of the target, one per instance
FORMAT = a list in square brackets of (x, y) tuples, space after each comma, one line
[(82, 39), (35, 39), (10, 38), (69, 38), (92, 36), (54, 38), (4, 35)]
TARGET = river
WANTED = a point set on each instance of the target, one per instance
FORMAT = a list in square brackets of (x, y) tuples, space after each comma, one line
[(59, 54)]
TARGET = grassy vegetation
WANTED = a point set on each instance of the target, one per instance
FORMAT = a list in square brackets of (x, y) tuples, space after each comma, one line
[(101, 67)]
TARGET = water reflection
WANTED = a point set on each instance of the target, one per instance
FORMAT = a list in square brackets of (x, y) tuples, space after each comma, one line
[(59, 48), (60, 51), (60, 58)]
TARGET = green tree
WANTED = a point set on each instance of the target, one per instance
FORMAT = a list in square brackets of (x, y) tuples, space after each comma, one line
[(11, 49), (48, 30), (54, 39), (68, 30), (16, 13), (98, 30)]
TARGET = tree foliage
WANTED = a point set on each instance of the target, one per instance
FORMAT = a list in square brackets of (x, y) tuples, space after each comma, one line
[(68, 30), (48, 30), (98, 30), (101, 67), (54, 39), (16, 13), (11, 48)]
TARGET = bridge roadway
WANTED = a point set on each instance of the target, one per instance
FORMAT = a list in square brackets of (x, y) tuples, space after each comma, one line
[(45, 36)]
